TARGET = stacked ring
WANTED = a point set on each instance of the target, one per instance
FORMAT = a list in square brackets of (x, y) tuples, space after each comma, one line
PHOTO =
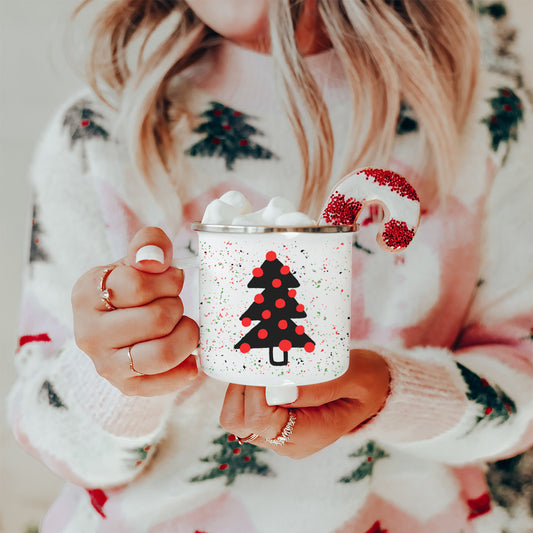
[(286, 432)]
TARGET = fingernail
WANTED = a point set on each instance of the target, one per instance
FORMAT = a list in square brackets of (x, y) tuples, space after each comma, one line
[(150, 252), (279, 395)]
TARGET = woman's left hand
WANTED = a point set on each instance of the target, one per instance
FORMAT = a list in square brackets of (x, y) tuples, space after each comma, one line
[(324, 412)]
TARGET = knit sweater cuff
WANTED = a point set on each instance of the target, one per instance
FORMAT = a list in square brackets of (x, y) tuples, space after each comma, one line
[(116, 413), (427, 397)]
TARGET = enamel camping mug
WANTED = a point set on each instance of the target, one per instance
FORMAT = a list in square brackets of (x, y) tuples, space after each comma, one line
[(274, 303)]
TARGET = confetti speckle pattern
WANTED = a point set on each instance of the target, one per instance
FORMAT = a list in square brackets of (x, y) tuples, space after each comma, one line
[(322, 265)]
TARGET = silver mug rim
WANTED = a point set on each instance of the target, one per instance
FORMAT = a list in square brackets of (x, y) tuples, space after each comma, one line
[(222, 228)]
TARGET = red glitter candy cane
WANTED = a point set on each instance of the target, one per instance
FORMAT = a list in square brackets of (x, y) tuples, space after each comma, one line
[(369, 186)]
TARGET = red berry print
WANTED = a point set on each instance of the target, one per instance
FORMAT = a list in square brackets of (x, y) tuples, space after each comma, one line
[(292, 293), (226, 127), (276, 283), (223, 466), (309, 347), (85, 123), (243, 142), (284, 270), (271, 256), (245, 347), (257, 272), (232, 438), (300, 308), (285, 345), (280, 303), (299, 330), (266, 314), (217, 112), (216, 140), (259, 299), (246, 321), (282, 324), (236, 451)]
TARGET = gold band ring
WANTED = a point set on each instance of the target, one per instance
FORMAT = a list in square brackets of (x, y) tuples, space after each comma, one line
[(105, 293), (132, 368)]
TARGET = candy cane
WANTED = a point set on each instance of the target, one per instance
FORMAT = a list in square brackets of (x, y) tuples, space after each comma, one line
[(373, 185)]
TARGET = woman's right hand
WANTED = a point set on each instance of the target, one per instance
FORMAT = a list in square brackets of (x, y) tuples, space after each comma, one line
[(148, 320)]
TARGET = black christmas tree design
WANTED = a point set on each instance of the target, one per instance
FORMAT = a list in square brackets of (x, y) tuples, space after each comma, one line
[(227, 134), (496, 405), (371, 454), (274, 308), (81, 122), (233, 459)]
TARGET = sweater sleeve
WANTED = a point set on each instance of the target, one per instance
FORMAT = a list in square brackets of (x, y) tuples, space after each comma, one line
[(473, 401), (60, 409)]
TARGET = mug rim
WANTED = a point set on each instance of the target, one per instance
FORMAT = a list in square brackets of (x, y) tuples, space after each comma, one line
[(222, 228)]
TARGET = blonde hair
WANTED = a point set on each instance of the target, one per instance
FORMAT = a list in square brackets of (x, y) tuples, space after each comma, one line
[(423, 54)]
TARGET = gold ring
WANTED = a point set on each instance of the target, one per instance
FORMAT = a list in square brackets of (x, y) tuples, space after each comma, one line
[(286, 432), (251, 437), (105, 293), (132, 368)]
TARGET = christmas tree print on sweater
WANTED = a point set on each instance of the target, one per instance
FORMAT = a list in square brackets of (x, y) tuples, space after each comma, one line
[(370, 453), (274, 308), (233, 459), (48, 392), (227, 134), (503, 121), (37, 252), (82, 122), (495, 405)]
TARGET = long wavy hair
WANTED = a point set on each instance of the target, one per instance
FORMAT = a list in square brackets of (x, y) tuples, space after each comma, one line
[(423, 54)]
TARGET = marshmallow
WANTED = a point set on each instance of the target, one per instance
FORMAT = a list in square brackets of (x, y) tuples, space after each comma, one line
[(276, 207), (249, 219), (219, 212), (294, 218), (237, 200), (233, 208)]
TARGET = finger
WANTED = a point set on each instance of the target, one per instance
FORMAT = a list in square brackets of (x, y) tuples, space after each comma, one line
[(129, 287), (161, 355), (367, 380), (150, 250), (124, 327), (232, 412), (318, 427), (245, 411), (261, 418), (171, 381)]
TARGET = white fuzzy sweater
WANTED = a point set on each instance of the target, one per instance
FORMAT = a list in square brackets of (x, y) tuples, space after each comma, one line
[(453, 315)]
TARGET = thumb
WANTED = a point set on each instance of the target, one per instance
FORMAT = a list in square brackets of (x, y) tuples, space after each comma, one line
[(150, 251)]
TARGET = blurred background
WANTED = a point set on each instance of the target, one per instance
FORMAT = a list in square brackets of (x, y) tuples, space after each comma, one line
[(35, 78)]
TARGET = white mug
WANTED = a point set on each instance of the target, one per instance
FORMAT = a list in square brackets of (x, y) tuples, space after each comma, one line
[(275, 304)]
